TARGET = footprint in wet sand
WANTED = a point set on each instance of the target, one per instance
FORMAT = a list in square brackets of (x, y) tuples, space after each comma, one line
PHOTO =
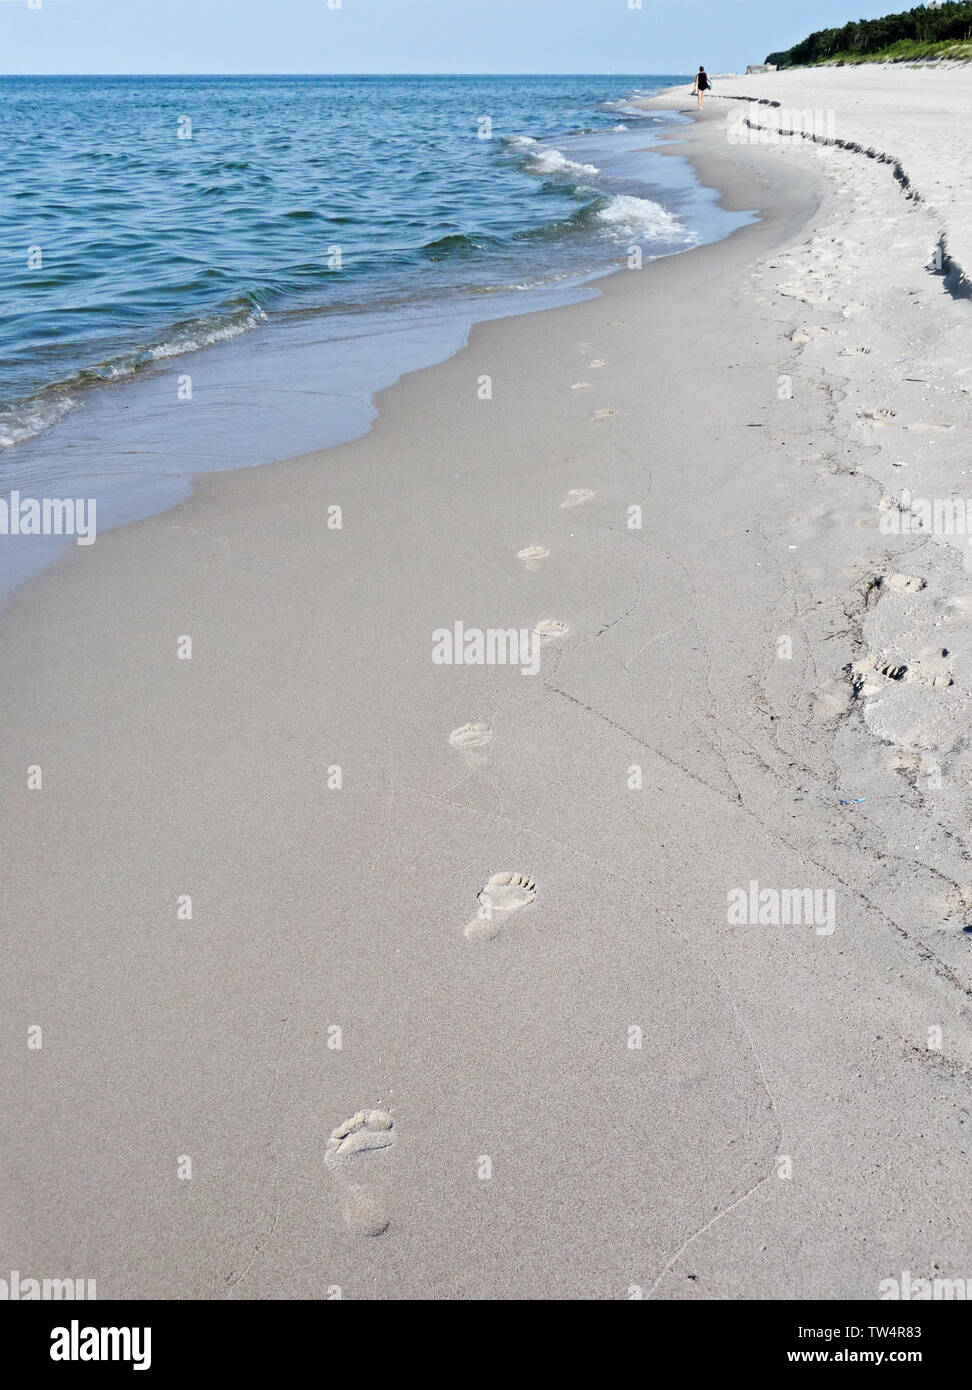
[(474, 742), (603, 414), (533, 556), (364, 1212), (577, 497), (598, 362), (366, 1129), (581, 386), (503, 895), (550, 630), (365, 1132)]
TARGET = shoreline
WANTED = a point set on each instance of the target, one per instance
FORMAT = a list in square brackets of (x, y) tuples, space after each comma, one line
[(635, 1067), (307, 378)]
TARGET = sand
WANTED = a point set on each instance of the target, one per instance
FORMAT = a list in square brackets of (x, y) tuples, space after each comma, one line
[(361, 1069), (919, 116)]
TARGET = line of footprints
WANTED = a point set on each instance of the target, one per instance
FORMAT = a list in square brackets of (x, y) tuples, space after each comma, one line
[(369, 1131)]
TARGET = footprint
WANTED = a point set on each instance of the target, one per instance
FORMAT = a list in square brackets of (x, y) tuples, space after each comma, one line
[(507, 892), (503, 895), (863, 673), (550, 630), (581, 386), (598, 362), (364, 1213), (877, 417), (933, 667), (365, 1132), (533, 555), (603, 414), (366, 1129), (474, 742), (577, 497), (833, 699), (855, 352), (802, 293), (902, 583)]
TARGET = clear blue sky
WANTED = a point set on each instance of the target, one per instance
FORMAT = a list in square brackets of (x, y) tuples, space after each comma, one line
[(589, 36)]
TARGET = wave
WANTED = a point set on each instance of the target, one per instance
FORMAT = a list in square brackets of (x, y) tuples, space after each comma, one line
[(585, 212), (35, 414), (457, 244), (24, 419), (620, 217), (624, 216), (624, 107), (544, 159), (547, 161)]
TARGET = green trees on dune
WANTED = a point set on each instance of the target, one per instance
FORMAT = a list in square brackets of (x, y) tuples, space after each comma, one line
[(947, 23)]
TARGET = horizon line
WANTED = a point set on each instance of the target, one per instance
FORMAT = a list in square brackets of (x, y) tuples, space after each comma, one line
[(344, 74)]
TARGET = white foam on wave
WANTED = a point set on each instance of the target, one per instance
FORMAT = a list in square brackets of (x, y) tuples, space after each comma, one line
[(626, 216), (192, 338), (626, 107), (555, 162), (18, 423)]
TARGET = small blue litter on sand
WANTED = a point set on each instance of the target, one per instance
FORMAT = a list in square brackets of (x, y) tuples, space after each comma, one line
[(855, 802)]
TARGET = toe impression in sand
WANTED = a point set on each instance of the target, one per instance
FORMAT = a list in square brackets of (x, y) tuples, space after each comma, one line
[(503, 895), (533, 555), (367, 1131), (474, 741), (577, 497), (550, 630)]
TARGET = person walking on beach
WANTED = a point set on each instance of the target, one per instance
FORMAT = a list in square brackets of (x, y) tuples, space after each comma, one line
[(702, 85)]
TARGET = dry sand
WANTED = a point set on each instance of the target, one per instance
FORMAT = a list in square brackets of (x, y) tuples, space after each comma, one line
[(784, 1129)]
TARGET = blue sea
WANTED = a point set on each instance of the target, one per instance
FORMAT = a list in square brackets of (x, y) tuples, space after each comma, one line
[(199, 273)]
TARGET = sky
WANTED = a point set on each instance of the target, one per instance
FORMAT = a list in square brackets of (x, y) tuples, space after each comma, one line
[(409, 36)]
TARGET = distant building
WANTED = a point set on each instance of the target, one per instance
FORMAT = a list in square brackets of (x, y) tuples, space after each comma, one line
[(759, 67)]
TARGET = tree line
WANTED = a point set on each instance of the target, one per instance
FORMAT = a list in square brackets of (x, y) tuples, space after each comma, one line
[(950, 21)]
